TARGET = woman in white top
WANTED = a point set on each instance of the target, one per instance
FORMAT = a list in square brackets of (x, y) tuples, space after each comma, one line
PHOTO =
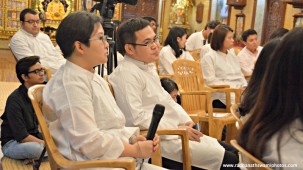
[(274, 131), (174, 48), (221, 65)]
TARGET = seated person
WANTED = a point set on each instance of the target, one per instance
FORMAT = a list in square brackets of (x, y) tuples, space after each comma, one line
[(273, 133), (87, 123), (250, 94), (250, 53), (139, 90), (199, 39), (221, 65), (172, 88), (20, 137), (174, 49), (29, 41), (55, 10), (152, 22)]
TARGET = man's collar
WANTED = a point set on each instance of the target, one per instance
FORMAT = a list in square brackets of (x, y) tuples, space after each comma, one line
[(29, 34), (140, 64)]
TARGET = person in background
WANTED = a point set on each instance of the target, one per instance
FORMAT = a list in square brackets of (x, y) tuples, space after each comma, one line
[(152, 22), (29, 41), (250, 53), (221, 65), (278, 33), (87, 123), (20, 137), (172, 88), (250, 94), (139, 90), (174, 48), (199, 39), (273, 133)]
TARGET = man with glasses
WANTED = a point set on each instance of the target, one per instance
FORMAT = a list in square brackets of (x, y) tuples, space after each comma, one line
[(20, 137), (29, 41), (138, 89)]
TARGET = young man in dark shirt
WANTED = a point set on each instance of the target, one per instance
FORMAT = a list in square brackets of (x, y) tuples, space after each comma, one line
[(20, 138)]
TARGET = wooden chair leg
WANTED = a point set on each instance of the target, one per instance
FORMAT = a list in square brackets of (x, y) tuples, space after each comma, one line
[(231, 130)]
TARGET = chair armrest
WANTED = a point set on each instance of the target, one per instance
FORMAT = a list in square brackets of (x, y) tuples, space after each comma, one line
[(220, 86), (185, 143), (126, 164)]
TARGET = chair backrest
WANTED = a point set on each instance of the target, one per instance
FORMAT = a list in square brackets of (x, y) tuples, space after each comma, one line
[(58, 161), (248, 158), (196, 54), (188, 75), (234, 110), (13, 55)]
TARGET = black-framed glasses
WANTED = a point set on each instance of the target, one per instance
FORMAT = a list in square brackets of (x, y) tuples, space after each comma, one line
[(37, 71), (147, 43), (32, 22), (102, 38)]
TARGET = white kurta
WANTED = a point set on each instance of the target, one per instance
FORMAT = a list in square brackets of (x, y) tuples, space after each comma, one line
[(86, 124), (248, 59), (220, 68), (138, 89), (167, 57), (291, 146), (24, 44), (194, 41)]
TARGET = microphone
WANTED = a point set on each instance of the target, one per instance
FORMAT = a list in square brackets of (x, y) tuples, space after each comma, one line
[(157, 115)]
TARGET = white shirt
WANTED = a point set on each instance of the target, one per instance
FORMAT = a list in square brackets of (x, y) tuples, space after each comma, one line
[(86, 123), (219, 68), (167, 57), (248, 59), (205, 49), (194, 41), (24, 44), (137, 91), (291, 146)]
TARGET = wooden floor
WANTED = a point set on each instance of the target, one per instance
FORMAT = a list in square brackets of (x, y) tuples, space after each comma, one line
[(7, 66)]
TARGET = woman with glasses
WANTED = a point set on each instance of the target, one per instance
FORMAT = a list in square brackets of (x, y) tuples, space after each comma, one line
[(20, 137), (174, 49), (221, 65)]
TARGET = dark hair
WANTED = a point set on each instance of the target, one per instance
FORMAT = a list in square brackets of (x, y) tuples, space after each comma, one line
[(218, 36), (171, 39), (149, 18), (278, 33), (126, 32), (280, 100), (26, 11), (23, 66), (247, 33), (252, 90), (212, 24), (77, 26), (210, 35), (168, 84)]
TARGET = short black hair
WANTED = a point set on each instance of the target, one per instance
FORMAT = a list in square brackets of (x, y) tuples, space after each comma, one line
[(212, 24), (126, 32), (278, 33), (23, 66), (26, 11), (247, 33), (168, 84), (218, 36), (77, 26), (150, 18)]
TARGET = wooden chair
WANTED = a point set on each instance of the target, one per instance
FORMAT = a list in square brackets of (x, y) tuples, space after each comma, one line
[(247, 158), (157, 156), (196, 98), (196, 54), (58, 161), (234, 110)]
